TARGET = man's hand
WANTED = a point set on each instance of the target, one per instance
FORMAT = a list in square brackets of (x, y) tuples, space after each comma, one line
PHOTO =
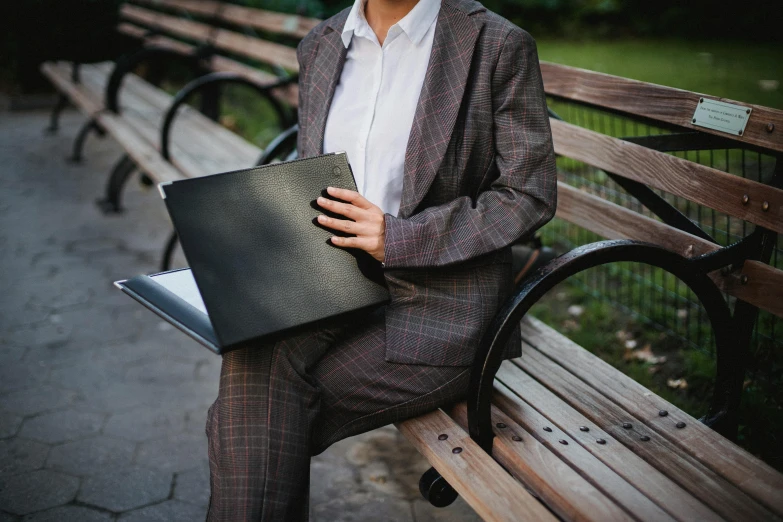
[(365, 221)]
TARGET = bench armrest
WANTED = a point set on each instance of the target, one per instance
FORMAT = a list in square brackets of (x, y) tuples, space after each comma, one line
[(490, 350)]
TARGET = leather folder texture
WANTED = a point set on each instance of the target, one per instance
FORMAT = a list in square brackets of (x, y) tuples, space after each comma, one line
[(262, 263)]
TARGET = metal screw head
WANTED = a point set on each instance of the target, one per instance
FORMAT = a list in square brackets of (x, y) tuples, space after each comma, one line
[(456, 450), (765, 206), (694, 120), (443, 436), (548, 429), (644, 438), (584, 428), (627, 425), (601, 441), (516, 438), (701, 100), (663, 413), (680, 425), (500, 425), (770, 127), (747, 111), (745, 199), (739, 133), (743, 279), (563, 442)]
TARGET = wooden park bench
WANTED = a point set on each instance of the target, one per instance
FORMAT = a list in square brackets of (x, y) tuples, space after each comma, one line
[(556, 433), (573, 437), (141, 116)]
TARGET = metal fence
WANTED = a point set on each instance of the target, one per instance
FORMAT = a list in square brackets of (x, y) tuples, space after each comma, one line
[(651, 295)]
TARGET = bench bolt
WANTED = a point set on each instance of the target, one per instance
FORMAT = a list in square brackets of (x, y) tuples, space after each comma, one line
[(680, 425), (516, 438), (644, 438), (745, 199), (500, 425), (601, 441), (563, 442), (456, 450), (765, 206), (770, 127), (627, 425), (584, 428), (743, 279), (663, 413), (548, 429), (443, 436)]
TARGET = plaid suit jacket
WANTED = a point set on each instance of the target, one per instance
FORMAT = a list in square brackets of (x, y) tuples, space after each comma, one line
[(479, 174)]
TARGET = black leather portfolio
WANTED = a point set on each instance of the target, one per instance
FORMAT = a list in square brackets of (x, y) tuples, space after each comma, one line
[(260, 264)]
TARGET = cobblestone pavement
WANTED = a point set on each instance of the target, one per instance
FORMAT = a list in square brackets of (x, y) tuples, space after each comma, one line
[(102, 405)]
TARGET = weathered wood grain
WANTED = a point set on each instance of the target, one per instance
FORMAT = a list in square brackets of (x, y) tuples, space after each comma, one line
[(588, 492), (656, 102), (715, 470), (534, 407), (698, 183), (479, 479)]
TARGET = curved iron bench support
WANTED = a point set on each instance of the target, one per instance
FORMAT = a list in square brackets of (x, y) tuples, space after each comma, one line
[(282, 148), (210, 82), (120, 174), (89, 126), (54, 118), (489, 354), (128, 63)]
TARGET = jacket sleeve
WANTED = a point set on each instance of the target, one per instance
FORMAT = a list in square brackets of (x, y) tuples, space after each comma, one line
[(523, 196)]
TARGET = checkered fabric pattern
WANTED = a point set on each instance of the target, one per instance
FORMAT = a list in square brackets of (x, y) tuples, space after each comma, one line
[(479, 174)]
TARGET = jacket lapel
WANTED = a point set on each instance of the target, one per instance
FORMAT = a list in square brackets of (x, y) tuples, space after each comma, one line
[(441, 95), (326, 69)]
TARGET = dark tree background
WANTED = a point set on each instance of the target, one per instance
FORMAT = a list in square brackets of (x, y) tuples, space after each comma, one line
[(35, 30)]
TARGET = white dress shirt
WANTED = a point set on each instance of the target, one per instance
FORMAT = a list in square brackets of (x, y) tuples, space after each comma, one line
[(375, 100)]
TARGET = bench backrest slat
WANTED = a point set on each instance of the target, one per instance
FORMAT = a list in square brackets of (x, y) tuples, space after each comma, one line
[(269, 21), (655, 102), (612, 221), (263, 51), (704, 185)]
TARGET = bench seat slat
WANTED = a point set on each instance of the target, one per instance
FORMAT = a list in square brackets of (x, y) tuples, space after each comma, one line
[(204, 146), (742, 469), (567, 490), (656, 102), (611, 221), (698, 183), (532, 406), (480, 480), (145, 155)]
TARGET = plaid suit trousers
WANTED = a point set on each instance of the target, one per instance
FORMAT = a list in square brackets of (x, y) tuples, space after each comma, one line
[(282, 403)]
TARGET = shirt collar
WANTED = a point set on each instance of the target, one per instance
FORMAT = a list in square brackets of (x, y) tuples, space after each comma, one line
[(414, 24)]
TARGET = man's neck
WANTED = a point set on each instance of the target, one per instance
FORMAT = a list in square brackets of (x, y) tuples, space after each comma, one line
[(382, 14)]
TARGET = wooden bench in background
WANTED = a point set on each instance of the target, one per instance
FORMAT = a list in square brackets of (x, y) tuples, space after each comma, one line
[(570, 436)]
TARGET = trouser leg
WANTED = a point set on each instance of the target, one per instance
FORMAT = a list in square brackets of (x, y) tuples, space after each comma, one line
[(259, 431)]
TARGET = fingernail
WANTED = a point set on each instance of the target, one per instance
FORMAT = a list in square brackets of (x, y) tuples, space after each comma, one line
[(329, 189), (320, 199), (321, 218)]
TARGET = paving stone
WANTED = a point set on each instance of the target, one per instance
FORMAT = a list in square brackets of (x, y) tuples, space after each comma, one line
[(38, 334), (91, 456), (57, 354), (69, 514), (62, 426), (36, 491), (172, 372), (123, 396), (329, 480), (174, 453), (360, 507), (20, 455), (123, 489), (38, 400), (9, 425), (88, 377), (11, 353), (8, 517), (193, 486), (19, 375), (166, 512), (146, 423)]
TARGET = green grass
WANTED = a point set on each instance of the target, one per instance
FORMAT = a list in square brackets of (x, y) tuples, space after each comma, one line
[(724, 69)]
